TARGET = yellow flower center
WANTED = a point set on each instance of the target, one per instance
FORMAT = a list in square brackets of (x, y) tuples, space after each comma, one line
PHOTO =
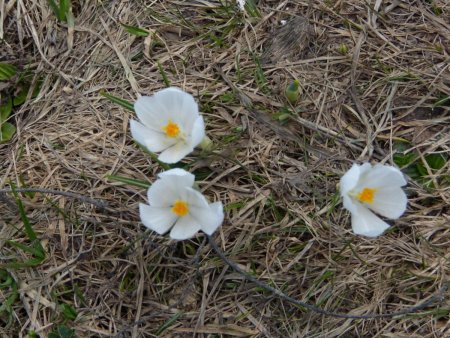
[(180, 208), (367, 195), (171, 129)]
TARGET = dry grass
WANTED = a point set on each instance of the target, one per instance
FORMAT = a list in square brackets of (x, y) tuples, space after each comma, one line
[(278, 180)]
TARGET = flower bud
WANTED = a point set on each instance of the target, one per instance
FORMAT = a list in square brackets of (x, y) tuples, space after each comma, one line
[(292, 92)]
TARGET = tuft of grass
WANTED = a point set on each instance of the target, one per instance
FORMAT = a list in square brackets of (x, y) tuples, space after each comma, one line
[(62, 331), (10, 294), (34, 248), (416, 167), (61, 10), (260, 77), (252, 9), (15, 93)]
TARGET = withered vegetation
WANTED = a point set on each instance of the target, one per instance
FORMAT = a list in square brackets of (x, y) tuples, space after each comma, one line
[(373, 75)]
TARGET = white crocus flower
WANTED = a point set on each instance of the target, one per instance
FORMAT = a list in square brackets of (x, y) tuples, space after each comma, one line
[(241, 4), (174, 204), (170, 123), (378, 188)]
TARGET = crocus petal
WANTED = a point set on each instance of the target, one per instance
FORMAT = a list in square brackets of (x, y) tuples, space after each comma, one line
[(349, 180), (170, 186), (150, 139), (169, 106), (179, 106), (196, 198), (163, 193), (241, 4), (157, 219), (382, 176), (365, 167), (366, 223), (186, 227), (180, 174), (139, 132), (198, 132), (389, 202), (209, 216), (150, 112), (213, 223), (349, 204), (175, 153), (177, 101)]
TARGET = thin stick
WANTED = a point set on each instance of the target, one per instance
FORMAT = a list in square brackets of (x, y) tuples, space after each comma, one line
[(100, 204), (438, 296)]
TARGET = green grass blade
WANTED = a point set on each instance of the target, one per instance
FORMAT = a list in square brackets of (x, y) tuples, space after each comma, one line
[(55, 8), (64, 9), (21, 96), (7, 71), (26, 222), (121, 102), (135, 30), (442, 101), (163, 74), (10, 286), (251, 9), (32, 262), (23, 247), (260, 77), (130, 181), (34, 249), (5, 109), (168, 323), (7, 131)]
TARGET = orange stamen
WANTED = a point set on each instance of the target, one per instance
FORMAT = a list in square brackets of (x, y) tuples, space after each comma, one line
[(171, 129), (180, 208), (367, 195)]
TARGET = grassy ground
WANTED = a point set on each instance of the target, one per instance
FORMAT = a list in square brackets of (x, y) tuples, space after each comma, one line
[(375, 82)]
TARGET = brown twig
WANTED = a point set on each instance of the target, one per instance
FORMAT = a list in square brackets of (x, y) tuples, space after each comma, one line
[(84, 199)]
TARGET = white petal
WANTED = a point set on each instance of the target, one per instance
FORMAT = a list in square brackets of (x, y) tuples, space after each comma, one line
[(186, 120), (157, 219), (170, 186), (209, 216), (139, 132), (212, 224), (150, 139), (365, 167), (349, 180), (177, 100), (170, 104), (206, 217), (151, 112), (175, 153), (389, 202), (349, 204), (366, 223), (178, 172), (196, 198), (179, 107), (186, 227), (382, 176), (163, 193), (198, 132)]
